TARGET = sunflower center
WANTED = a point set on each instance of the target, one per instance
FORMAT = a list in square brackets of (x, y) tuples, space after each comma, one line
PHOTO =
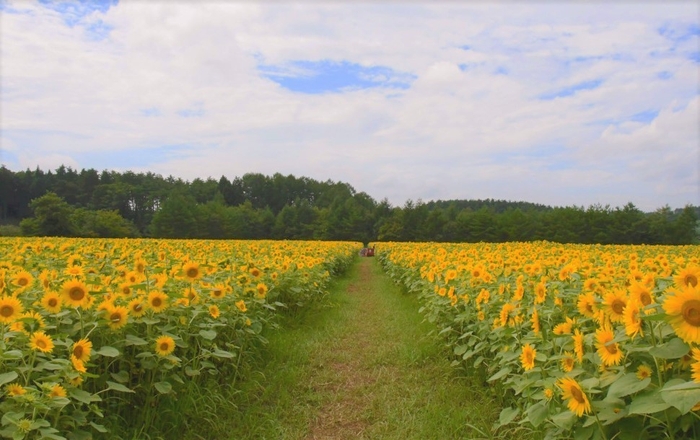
[(115, 317), (156, 302), (192, 272), (41, 344), (589, 308), (577, 395), (691, 280), (618, 306), (23, 282), (691, 312), (645, 298), (76, 293), (612, 348), (52, 302), (164, 346), (78, 351), (137, 307), (6, 311)]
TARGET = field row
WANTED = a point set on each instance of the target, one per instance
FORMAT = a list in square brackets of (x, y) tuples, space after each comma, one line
[(104, 333), (581, 341)]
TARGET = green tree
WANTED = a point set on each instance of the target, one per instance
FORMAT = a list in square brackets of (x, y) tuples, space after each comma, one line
[(102, 223), (52, 217)]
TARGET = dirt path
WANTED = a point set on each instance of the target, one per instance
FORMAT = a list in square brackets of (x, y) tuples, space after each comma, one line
[(350, 370)]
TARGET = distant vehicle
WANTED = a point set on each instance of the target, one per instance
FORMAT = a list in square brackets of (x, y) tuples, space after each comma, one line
[(367, 252)]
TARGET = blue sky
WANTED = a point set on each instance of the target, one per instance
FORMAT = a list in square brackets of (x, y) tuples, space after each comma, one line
[(562, 104)]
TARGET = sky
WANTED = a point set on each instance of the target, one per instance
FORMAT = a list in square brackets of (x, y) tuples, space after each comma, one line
[(559, 103)]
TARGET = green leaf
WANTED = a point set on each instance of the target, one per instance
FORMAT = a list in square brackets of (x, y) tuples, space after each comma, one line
[(50, 433), (118, 387), (107, 351), (121, 377), (460, 350), (8, 377), (163, 387), (504, 371), (83, 396), (565, 419), (98, 428), (626, 385), (649, 403), (537, 413), (135, 340), (209, 335), (507, 415), (673, 349), (223, 354), (682, 396)]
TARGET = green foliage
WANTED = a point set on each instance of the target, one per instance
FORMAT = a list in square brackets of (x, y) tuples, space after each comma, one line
[(52, 217)]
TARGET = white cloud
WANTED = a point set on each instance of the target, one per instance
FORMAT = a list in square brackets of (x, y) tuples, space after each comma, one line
[(472, 124)]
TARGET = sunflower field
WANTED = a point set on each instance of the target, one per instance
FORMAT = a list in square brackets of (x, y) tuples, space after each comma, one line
[(96, 329), (579, 341)]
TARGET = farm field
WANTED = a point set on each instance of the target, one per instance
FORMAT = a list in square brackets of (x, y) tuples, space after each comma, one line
[(103, 336), (581, 341)]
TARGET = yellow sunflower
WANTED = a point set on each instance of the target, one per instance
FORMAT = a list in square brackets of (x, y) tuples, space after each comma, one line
[(577, 400), (535, 321), (191, 271), (586, 304), (687, 277), (608, 351), (41, 341), (165, 345), (218, 291), (10, 309), (683, 310), (22, 279), (117, 317), (214, 311), (633, 323), (15, 389), (137, 307), (643, 371), (567, 362), (614, 304), (260, 290), (578, 345), (157, 301), (82, 350), (78, 365), (527, 357), (57, 391), (51, 302), (564, 328), (75, 293), (241, 306), (642, 293)]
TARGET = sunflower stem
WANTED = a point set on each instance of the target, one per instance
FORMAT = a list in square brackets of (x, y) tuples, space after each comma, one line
[(600, 426)]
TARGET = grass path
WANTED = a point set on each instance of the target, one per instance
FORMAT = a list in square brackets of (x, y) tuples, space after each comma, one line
[(359, 366)]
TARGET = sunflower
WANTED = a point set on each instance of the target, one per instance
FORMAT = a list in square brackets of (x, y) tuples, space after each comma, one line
[(22, 279), (51, 302), (695, 366), (57, 391), (643, 371), (540, 292), (78, 365), (41, 341), (577, 400), (81, 350), (614, 304), (74, 271), (214, 311), (535, 321), (75, 293), (15, 389), (191, 295), (578, 345), (137, 308), (683, 310), (191, 271), (586, 304), (642, 293), (10, 309), (564, 328), (527, 357), (241, 306), (157, 301), (140, 265), (567, 362), (165, 345), (255, 272), (687, 277), (260, 290), (218, 291), (633, 323), (608, 351), (117, 317)]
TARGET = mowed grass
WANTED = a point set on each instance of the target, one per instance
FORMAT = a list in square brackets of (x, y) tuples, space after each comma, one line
[(361, 364)]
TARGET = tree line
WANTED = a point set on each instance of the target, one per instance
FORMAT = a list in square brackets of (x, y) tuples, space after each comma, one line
[(88, 203)]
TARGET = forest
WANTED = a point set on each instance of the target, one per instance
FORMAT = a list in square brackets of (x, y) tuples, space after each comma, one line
[(89, 203)]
